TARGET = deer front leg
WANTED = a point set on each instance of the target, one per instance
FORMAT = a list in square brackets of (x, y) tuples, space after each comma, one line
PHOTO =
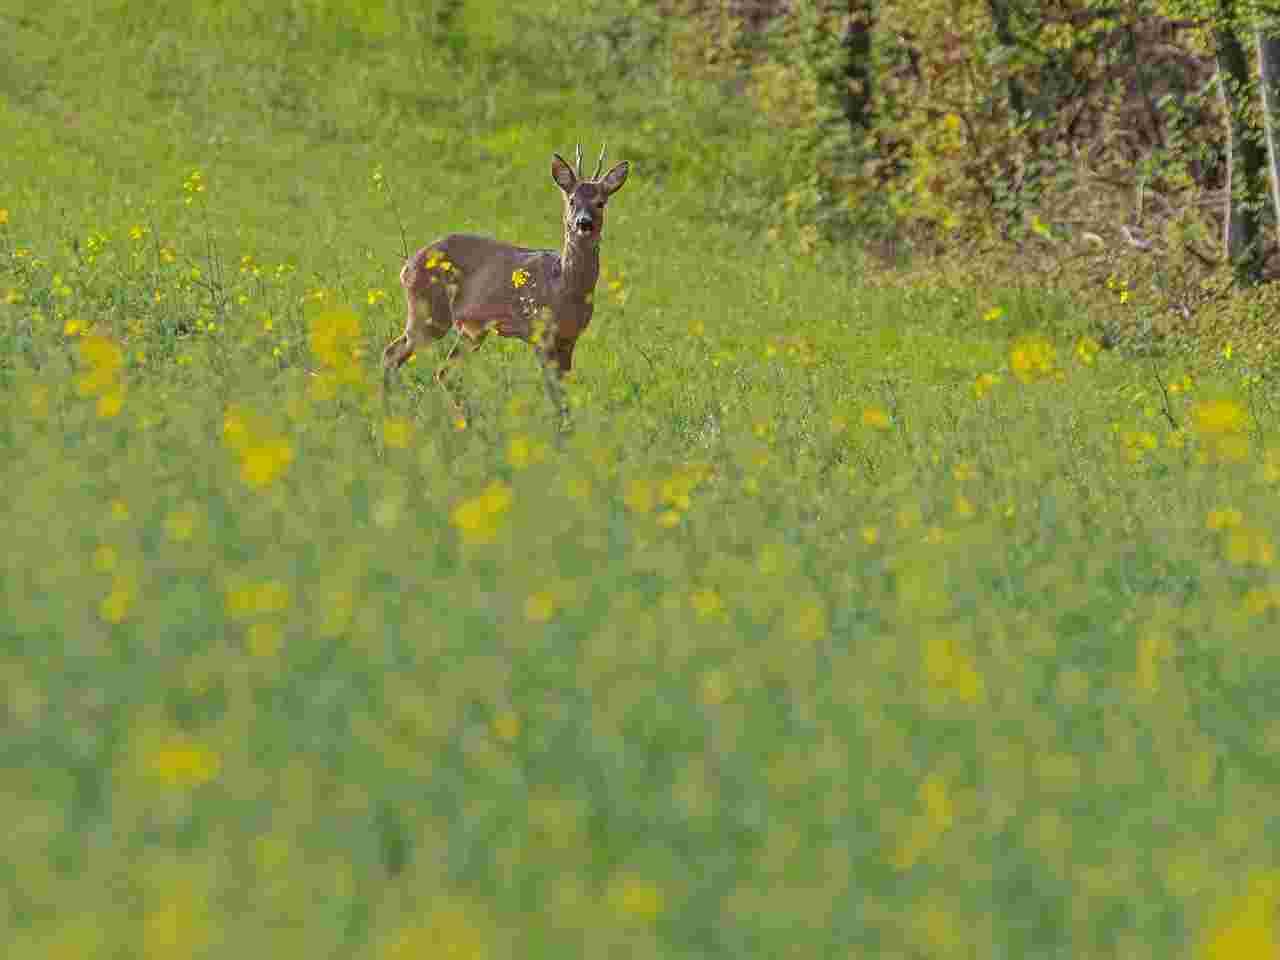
[(557, 360)]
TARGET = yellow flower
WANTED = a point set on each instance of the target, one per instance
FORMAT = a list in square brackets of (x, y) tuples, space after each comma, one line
[(639, 496), (928, 826), (115, 605), (183, 763), (102, 355), (4, 216), (1246, 929), (984, 383), (375, 296), (335, 340), (635, 899), (506, 726), (263, 639), (181, 524), (1224, 519), (1087, 349), (994, 314), (1032, 359), (540, 607), (1136, 443), (717, 688), (110, 403), (265, 461), (1245, 547), (396, 432), (876, 417), (477, 518), (519, 278), (706, 604), (522, 452), (104, 559), (1219, 416)]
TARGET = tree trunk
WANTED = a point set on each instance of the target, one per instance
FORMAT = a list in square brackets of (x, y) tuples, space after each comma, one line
[(856, 44), (1002, 20), (1232, 239), (1248, 156), (1267, 35)]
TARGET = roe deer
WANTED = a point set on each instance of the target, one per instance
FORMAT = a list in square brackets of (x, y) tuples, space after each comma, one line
[(479, 284)]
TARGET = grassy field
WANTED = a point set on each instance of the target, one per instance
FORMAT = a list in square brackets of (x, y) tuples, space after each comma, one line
[(853, 619)]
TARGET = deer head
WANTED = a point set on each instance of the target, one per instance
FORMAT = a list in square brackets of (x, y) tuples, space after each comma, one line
[(585, 199)]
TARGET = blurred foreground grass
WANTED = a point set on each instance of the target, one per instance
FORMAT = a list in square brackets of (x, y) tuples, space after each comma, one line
[(850, 621)]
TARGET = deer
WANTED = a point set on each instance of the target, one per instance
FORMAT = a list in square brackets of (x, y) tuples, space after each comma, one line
[(481, 285)]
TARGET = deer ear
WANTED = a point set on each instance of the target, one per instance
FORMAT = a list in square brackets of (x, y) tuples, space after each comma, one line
[(616, 177), (562, 173)]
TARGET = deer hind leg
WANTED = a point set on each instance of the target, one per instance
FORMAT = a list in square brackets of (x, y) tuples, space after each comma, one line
[(463, 347), (429, 313)]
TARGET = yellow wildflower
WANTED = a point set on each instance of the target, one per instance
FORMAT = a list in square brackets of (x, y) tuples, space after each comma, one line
[(639, 496), (1224, 519), (635, 899), (184, 763), (477, 518), (1087, 349), (115, 605), (396, 432), (519, 278), (265, 461), (1032, 359), (876, 417), (983, 384), (1246, 929), (181, 524), (539, 607), (506, 726), (706, 604), (1219, 416)]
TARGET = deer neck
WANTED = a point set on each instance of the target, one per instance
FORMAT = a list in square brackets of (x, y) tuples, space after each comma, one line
[(579, 270)]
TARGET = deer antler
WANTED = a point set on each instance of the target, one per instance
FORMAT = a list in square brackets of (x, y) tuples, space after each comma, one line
[(579, 151), (599, 163)]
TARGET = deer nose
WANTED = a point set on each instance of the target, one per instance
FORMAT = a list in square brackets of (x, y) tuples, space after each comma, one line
[(585, 224)]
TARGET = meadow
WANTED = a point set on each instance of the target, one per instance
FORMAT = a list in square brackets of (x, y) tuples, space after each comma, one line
[(855, 617)]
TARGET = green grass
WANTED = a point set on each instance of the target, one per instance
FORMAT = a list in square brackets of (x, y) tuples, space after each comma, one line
[(807, 642)]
